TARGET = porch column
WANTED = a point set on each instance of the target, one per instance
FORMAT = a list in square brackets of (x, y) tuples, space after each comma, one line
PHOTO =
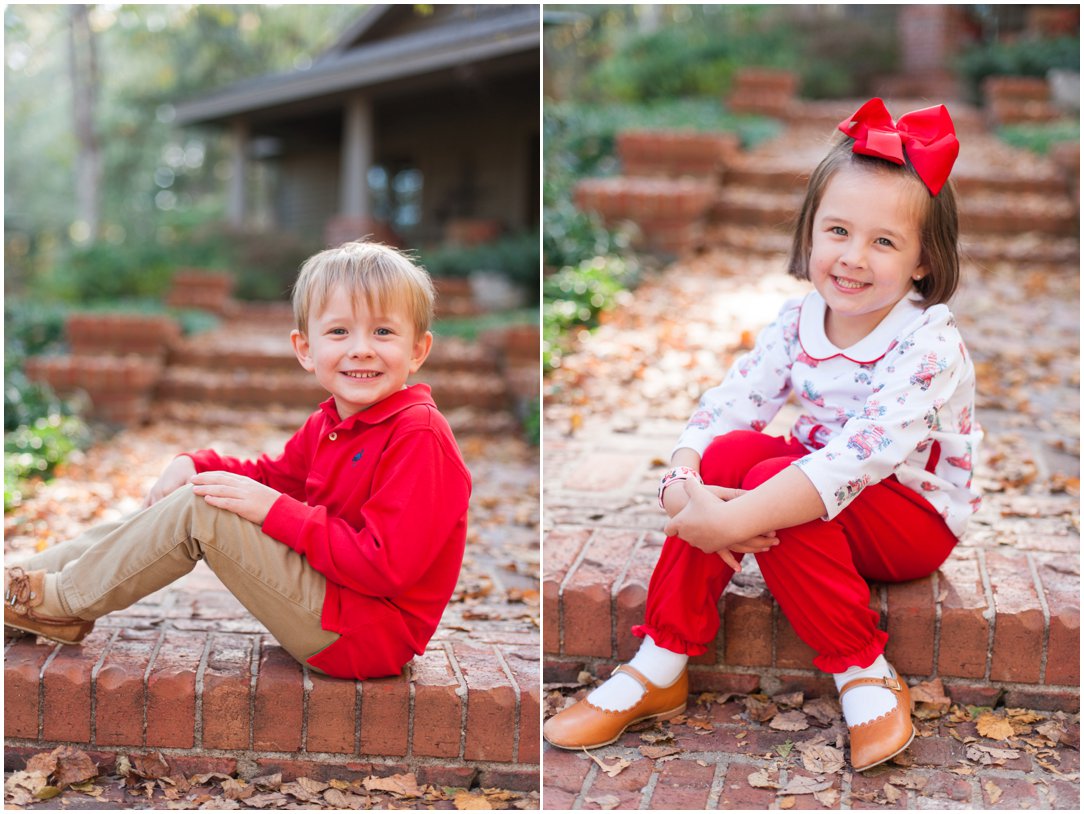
[(235, 206), (357, 157)]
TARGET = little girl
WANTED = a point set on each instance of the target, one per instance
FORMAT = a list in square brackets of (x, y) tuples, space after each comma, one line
[(874, 481)]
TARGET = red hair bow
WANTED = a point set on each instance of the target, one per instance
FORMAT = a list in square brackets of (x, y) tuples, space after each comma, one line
[(927, 135)]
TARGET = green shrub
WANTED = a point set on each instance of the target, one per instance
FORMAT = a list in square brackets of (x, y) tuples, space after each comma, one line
[(1027, 57), (1039, 138), (33, 452), (515, 257)]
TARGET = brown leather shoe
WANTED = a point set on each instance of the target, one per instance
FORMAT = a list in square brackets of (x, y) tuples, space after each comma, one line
[(585, 726), (881, 739), (23, 593)]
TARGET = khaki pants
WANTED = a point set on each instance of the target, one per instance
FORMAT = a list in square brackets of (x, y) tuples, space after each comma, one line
[(116, 564)]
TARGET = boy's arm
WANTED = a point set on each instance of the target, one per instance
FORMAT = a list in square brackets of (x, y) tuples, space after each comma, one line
[(420, 494)]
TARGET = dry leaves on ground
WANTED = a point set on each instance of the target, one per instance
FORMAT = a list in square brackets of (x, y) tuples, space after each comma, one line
[(142, 780)]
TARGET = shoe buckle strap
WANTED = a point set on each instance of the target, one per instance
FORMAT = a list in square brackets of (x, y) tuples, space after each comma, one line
[(886, 682), (636, 675)]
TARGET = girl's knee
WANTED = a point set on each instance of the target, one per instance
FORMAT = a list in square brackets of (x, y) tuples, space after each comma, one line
[(725, 460), (764, 471)]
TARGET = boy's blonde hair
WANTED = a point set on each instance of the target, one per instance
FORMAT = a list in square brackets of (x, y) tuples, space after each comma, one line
[(386, 277), (939, 224)]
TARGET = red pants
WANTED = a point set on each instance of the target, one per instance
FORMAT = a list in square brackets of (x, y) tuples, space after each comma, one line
[(818, 571)]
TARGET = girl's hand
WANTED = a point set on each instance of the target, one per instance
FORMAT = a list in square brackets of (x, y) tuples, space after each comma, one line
[(699, 522), (243, 496), (180, 472)]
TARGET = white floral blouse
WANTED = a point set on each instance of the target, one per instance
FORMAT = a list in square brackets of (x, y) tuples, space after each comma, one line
[(899, 402)]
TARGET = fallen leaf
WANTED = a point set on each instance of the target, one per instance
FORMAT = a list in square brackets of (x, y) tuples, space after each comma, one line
[(759, 708), (149, 767), (612, 769), (405, 785), (237, 789), (800, 784), (892, 794), (657, 737), (267, 800), (994, 727), (465, 801), (607, 802), (1053, 731), (791, 700), (65, 764), (824, 710), (994, 791), (761, 779), (786, 802), (987, 755), (930, 699), (793, 721), (829, 798), (656, 752), (820, 758)]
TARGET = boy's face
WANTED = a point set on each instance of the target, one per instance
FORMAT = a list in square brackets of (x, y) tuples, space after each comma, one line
[(358, 355)]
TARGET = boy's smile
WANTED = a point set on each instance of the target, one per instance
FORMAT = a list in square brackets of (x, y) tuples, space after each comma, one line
[(361, 352)]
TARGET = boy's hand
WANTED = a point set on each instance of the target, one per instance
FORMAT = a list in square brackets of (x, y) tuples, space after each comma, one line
[(180, 471), (235, 493)]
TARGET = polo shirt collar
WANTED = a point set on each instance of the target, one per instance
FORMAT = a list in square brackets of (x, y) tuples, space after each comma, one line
[(382, 410), (867, 350)]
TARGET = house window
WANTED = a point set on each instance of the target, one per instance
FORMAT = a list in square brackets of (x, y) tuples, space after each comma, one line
[(396, 195)]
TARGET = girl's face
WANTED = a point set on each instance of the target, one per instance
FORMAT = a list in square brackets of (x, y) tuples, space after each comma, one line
[(866, 249)]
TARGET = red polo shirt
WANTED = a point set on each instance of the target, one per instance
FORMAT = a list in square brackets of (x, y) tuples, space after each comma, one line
[(377, 504)]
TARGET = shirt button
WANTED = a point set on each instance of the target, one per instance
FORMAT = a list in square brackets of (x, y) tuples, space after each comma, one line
[(332, 437)]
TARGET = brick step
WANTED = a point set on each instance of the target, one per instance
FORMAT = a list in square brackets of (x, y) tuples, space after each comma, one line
[(298, 389), (823, 116), (188, 672), (983, 213), (993, 624), (986, 251)]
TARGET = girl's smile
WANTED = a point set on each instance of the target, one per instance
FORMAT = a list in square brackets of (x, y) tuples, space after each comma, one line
[(866, 249)]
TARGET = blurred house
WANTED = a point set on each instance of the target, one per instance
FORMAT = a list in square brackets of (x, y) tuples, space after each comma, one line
[(420, 124)]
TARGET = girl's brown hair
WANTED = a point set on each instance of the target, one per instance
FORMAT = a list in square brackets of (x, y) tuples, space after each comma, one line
[(939, 230)]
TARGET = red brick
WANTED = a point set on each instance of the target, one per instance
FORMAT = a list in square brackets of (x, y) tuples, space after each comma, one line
[(974, 693), (491, 703), (385, 715), (524, 667), (1015, 794), (790, 651), (276, 722), (227, 689), (814, 684), (911, 626), (562, 671), (747, 623), (872, 784), (965, 638), (331, 714), (563, 773), (438, 708), (324, 769), (736, 792), (587, 595), (512, 777), (1060, 579), (67, 686), (632, 594), (22, 671), (683, 784), (1041, 697), (119, 691), (1018, 626), (460, 777), (937, 751), (562, 547), (171, 690), (716, 681)]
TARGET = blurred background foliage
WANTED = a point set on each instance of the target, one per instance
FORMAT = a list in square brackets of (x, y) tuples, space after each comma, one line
[(162, 188)]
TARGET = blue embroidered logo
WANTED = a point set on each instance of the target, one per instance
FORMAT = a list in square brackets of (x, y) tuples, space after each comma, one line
[(356, 458)]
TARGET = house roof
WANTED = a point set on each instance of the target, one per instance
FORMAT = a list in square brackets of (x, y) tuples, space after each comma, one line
[(377, 49)]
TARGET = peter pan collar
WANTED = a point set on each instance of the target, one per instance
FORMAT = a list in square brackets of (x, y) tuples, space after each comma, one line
[(867, 350), (384, 409)]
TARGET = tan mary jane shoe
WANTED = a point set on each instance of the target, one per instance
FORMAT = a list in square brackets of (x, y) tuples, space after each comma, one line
[(585, 726), (881, 739)]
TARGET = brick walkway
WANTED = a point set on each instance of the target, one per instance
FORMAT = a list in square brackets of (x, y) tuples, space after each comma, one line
[(998, 624)]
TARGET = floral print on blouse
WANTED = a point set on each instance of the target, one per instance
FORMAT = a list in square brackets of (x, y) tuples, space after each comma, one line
[(899, 402)]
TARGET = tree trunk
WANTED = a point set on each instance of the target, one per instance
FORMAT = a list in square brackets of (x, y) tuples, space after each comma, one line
[(88, 157)]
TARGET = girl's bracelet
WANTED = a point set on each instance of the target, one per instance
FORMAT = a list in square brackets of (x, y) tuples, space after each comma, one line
[(675, 474)]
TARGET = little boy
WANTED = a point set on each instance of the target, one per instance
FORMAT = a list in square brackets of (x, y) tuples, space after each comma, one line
[(348, 545)]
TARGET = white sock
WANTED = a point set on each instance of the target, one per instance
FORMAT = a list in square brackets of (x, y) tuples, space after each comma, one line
[(659, 666), (863, 704)]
